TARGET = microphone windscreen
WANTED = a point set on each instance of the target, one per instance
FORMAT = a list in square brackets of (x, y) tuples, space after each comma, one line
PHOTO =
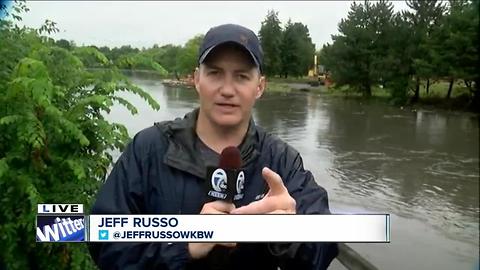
[(230, 158)]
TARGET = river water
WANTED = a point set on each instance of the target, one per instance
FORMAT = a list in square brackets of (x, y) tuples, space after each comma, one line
[(422, 167)]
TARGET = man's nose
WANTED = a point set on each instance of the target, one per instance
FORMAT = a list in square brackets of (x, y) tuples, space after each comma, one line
[(228, 87)]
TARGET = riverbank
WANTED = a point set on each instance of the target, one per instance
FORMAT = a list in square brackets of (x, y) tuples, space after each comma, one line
[(187, 83), (434, 99)]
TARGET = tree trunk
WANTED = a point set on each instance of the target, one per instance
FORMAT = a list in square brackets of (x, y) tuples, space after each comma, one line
[(450, 87), (468, 84), (417, 90), (367, 90), (427, 89), (475, 105)]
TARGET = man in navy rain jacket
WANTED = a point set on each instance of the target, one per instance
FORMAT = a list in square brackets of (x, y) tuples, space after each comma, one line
[(163, 170)]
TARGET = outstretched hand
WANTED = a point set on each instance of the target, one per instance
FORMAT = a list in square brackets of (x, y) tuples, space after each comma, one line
[(277, 200)]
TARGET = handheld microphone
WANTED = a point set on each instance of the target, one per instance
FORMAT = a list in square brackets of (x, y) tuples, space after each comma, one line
[(226, 182)]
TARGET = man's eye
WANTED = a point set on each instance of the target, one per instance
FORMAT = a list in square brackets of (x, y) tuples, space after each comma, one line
[(213, 72), (242, 76)]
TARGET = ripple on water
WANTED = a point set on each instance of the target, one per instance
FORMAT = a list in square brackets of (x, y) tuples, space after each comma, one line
[(395, 116), (461, 170), (377, 179), (378, 138)]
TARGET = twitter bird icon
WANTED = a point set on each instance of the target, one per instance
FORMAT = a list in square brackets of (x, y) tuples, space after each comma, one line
[(103, 235)]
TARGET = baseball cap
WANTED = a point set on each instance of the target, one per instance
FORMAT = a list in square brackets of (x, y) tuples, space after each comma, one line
[(238, 34)]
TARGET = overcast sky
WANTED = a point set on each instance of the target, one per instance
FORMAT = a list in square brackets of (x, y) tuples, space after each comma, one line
[(142, 24)]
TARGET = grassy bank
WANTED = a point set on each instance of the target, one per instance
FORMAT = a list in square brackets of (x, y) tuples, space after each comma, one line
[(278, 87), (435, 98), (289, 80)]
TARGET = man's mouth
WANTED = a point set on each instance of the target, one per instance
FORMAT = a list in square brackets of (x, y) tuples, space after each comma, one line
[(227, 105)]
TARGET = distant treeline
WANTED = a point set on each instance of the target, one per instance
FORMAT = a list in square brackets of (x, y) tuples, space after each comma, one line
[(167, 60), (434, 41), (289, 51)]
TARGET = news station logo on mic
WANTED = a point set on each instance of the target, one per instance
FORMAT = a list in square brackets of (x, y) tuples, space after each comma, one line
[(239, 186), (60, 223), (219, 180), (226, 182)]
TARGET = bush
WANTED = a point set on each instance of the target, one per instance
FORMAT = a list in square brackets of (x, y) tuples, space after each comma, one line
[(54, 139)]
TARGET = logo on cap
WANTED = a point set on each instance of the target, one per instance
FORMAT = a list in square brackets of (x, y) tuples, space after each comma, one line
[(243, 40)]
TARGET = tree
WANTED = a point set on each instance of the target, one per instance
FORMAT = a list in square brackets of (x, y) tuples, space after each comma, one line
[(63, 43), (106, 51), (357, 57), (270, 36), (115, 53), (140, 61), (167, 57), (381, 29), (187, 58), (55, 142), (455, 44), (398, 60), (297, 50), (423, 19), (91, 56)]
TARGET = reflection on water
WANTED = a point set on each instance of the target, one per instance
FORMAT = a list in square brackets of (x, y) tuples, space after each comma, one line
[(422, 167)]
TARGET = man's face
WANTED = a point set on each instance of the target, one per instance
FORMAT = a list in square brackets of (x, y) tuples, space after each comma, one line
[(228, 83)]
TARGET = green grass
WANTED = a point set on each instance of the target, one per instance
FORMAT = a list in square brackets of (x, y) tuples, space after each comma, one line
[(459, 100), (277, 84), (276, 87), (440, 89), (289, 79), (437, 90)]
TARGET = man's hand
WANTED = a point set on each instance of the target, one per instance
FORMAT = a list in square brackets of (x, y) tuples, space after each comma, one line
[(200, 250), (277, 200), (217, 207)]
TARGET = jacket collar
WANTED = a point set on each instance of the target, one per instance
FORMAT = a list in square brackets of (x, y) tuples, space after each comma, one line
[(183, 153)]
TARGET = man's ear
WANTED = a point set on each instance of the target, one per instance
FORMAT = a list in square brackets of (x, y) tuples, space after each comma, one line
[(261, 86), (196, 78)]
